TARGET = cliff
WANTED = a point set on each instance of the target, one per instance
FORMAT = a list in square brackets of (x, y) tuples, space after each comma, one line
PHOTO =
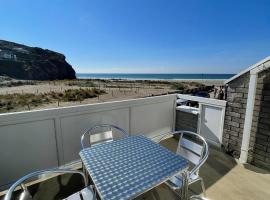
[(33, 63)]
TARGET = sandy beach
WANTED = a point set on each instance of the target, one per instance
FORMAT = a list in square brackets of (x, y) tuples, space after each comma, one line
[(114, 90)]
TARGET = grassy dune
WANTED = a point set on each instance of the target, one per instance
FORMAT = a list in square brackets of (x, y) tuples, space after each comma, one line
[(18, 95), (12, 101)]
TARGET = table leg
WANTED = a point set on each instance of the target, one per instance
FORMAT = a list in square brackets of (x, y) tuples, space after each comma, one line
[(184, 192)]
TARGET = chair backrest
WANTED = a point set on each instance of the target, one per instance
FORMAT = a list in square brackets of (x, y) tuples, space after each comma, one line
[(102, 133), (25, 195), (193, 147)]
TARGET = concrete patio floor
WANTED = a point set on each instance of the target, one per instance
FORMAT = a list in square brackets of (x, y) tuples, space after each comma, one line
[(224, 180)]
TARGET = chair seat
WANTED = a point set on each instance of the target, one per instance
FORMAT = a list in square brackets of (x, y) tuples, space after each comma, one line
[(194, 148), (176, 181), (85, 194)]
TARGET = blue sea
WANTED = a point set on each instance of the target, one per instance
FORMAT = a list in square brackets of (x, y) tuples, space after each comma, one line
[(155, 76)]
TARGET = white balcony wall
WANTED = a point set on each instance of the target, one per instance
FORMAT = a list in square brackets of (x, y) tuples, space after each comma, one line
[(41, 139), (211, 115)]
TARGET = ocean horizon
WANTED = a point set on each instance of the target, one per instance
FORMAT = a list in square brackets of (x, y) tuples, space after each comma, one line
[(127, 76)]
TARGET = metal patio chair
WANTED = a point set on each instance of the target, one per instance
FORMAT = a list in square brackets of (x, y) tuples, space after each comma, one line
[(102, 133), (194, 148), (87, 193)]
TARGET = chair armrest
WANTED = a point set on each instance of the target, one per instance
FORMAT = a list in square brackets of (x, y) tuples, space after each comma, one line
[(36, 173)]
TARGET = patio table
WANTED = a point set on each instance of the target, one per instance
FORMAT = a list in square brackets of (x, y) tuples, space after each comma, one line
[(125, 168)]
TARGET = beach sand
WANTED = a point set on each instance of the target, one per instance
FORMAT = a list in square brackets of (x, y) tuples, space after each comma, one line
[(115, 90)]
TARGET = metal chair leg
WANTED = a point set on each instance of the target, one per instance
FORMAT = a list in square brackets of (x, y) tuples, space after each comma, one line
[(203, 187), (184, 190), (85, 173)]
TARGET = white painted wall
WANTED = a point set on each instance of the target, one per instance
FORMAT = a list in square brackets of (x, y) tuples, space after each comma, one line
[(211, 117), (211, 123), (48, 138)]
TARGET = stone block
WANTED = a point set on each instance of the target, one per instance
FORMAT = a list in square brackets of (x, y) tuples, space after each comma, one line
[(236, 84), (265, 104), (261, 136), (267, 160), (235, 105), (241, 90), (258, 157), (227, 117), (260, 147), (266, 92), (236, 119), (234, 114), (260, 86), (267, 155), (265, 115), (263, 126), (241, 125), (254, 129), (259, 91), (235, 124), (239, 130), (261, 142), (234, 133), (266, 98), (264, 131), (260, 152), (235, 138), (239, 110), (230, 89), (265, 121), (226, 126)]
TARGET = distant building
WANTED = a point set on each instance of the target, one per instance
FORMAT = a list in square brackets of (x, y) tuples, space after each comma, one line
[(247, 120), (7, 55), (21, 50)]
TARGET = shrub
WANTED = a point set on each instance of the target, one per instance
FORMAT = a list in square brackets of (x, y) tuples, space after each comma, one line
[(179, 86), (81, 83), (13, 101)]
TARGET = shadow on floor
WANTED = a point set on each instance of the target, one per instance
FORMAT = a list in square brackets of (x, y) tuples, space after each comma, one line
[(256, 169), (218, 166), (57, 187)]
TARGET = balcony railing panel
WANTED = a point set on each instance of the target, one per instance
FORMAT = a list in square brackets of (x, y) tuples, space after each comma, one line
[(41, 139)]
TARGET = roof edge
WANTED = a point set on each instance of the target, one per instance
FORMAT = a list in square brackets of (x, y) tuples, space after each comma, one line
[(265, 60)]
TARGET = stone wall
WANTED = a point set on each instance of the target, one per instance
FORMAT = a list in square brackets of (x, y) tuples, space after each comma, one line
[(186, 121), (260, 133), (235, 114), (259, 153)]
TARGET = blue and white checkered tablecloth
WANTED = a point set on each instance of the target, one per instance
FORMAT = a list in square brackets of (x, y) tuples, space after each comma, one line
[(126, 168)]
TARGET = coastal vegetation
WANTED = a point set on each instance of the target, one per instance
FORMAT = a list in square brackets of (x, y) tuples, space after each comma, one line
[(20, 95), (186, 85), (30, 100), (81, 83), (17, 83)]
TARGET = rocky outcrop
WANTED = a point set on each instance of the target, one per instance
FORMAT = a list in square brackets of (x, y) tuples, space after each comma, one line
[(33, 63)]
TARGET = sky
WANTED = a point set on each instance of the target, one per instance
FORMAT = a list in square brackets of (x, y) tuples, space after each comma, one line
[(143, 36)]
